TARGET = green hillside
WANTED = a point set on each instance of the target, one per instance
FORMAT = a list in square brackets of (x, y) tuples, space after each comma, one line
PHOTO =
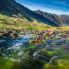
[(12, 23)]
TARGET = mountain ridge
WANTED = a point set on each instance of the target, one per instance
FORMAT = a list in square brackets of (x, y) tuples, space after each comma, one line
[(11, 8), (61, 20)]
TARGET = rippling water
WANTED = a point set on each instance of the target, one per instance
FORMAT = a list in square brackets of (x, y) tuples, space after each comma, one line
[(15, 42), (9, 46)]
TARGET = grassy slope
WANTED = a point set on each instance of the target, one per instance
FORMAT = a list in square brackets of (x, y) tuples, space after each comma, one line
[(7, 22), (13, 23)]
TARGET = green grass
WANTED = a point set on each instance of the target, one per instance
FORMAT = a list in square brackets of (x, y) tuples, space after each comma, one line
[(5, 64), (12, 23)]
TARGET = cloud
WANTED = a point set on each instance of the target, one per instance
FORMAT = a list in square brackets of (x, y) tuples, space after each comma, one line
[(59, 12), (59, 7), (49, 10)]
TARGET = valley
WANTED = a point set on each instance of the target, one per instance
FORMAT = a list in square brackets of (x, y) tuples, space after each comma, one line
[(32, 39)]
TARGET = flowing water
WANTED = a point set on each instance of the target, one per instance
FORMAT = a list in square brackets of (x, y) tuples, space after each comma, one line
[(13, 48), (9, 46)]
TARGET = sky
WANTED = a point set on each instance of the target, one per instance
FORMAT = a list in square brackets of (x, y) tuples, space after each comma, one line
[(51, 6)]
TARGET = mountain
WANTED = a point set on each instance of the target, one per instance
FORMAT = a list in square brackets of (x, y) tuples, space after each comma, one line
[(11, 8), (60, 20), (14, 9)]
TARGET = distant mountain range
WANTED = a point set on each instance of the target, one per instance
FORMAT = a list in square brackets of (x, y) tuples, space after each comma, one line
[(11, 8), (60, 20)]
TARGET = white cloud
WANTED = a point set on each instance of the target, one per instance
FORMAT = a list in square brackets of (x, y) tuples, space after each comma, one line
[(49, 10), (53, 11)]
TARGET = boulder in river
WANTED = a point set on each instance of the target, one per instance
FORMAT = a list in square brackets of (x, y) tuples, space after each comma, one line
[(10, 34)]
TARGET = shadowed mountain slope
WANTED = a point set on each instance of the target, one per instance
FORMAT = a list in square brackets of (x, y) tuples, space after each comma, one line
[(11, 8)]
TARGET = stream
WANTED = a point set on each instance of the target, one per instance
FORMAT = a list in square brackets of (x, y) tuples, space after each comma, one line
[(9, 46)]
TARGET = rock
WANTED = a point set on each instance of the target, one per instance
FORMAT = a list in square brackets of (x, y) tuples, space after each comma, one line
[(10, 34)]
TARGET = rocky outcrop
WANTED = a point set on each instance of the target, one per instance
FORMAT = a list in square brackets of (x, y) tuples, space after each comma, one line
[(10, 34)]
